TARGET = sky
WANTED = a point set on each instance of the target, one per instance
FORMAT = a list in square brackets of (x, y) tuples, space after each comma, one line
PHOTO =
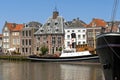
[(24, 11)]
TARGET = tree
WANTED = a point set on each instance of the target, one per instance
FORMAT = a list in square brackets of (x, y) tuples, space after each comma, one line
[(44, 50), (60, 49)]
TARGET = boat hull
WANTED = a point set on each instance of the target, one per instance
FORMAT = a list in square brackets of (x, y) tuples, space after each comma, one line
[(64, 59), (108, 50)]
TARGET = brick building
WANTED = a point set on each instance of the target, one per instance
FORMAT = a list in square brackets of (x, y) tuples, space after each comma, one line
[(28, 39), (11, 36), (51, 34)]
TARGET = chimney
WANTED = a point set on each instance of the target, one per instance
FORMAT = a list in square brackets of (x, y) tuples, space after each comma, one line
[(55, 14)]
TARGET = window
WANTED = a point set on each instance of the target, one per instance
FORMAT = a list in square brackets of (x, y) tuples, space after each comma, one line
[(68, 36), (73, 35), (18, 41), (56, 23), (56, 48), (78, 30), (68, 43), (14, 41), (26, 33), (53, 40), (22, 42), (79, 36), (7, 46), (5, 40), (15, 33), (48, 24), (29, 32), (26, 42), (83, 36), (83, 30), (26, 50), (5, 34), (22, 49), (59, 40), (83, 42), (29, 41), (44, 38), (23, 33), (79, 43), (37, 48), (68, 30)]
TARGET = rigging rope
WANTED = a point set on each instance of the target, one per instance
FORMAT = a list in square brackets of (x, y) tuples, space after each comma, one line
[(115, 6)]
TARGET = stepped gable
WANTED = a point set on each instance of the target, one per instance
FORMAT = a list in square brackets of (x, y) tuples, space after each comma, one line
[(97, 23), (14, 26), (76, 23)]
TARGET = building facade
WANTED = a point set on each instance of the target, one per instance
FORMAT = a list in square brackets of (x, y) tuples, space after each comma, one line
[(11, 36), (96, 27), (28, 39), (51, 34), (75, 33)]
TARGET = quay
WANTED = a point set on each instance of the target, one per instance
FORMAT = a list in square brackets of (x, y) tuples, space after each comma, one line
[(13, 57)]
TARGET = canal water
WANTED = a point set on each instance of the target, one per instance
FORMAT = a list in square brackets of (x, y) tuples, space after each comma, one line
[(12, 70)]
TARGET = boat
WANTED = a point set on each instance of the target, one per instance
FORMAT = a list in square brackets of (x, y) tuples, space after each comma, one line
[(108, 50), (66, 55)]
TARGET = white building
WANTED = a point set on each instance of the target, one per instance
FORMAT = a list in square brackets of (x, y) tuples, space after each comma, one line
[(80, 36)]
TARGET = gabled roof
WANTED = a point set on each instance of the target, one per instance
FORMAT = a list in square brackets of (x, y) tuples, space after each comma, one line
[(97, 22), (52, 26), (76, 23), (14, 26)]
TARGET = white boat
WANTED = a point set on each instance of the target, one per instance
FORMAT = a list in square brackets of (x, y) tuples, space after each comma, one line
[(66, 55), (73, 53)]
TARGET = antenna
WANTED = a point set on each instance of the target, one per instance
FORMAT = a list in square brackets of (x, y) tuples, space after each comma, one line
[(55, 9)]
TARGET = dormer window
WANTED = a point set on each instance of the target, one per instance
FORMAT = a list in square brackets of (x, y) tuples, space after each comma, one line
[(41, 30), (49, 29), (48, 24), (57, 29), (26, 26), (56, 23)]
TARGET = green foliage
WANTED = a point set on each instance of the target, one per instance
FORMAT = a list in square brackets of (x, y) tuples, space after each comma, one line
[(44, 50), (60, 49)]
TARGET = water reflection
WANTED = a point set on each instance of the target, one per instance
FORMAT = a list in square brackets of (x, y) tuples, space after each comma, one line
[(48, 71), (81, 72)]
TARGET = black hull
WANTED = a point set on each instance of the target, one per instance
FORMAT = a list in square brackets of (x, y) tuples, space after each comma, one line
[(93, 58), (108, 50)]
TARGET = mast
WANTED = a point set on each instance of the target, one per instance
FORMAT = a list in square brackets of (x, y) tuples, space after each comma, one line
[(94, 36), (114, 13)]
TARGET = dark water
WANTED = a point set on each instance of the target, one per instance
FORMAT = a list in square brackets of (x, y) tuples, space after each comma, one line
[(49, 71)]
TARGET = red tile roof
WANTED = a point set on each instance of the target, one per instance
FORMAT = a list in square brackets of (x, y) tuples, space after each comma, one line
[(14, 26), (97, 22)]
